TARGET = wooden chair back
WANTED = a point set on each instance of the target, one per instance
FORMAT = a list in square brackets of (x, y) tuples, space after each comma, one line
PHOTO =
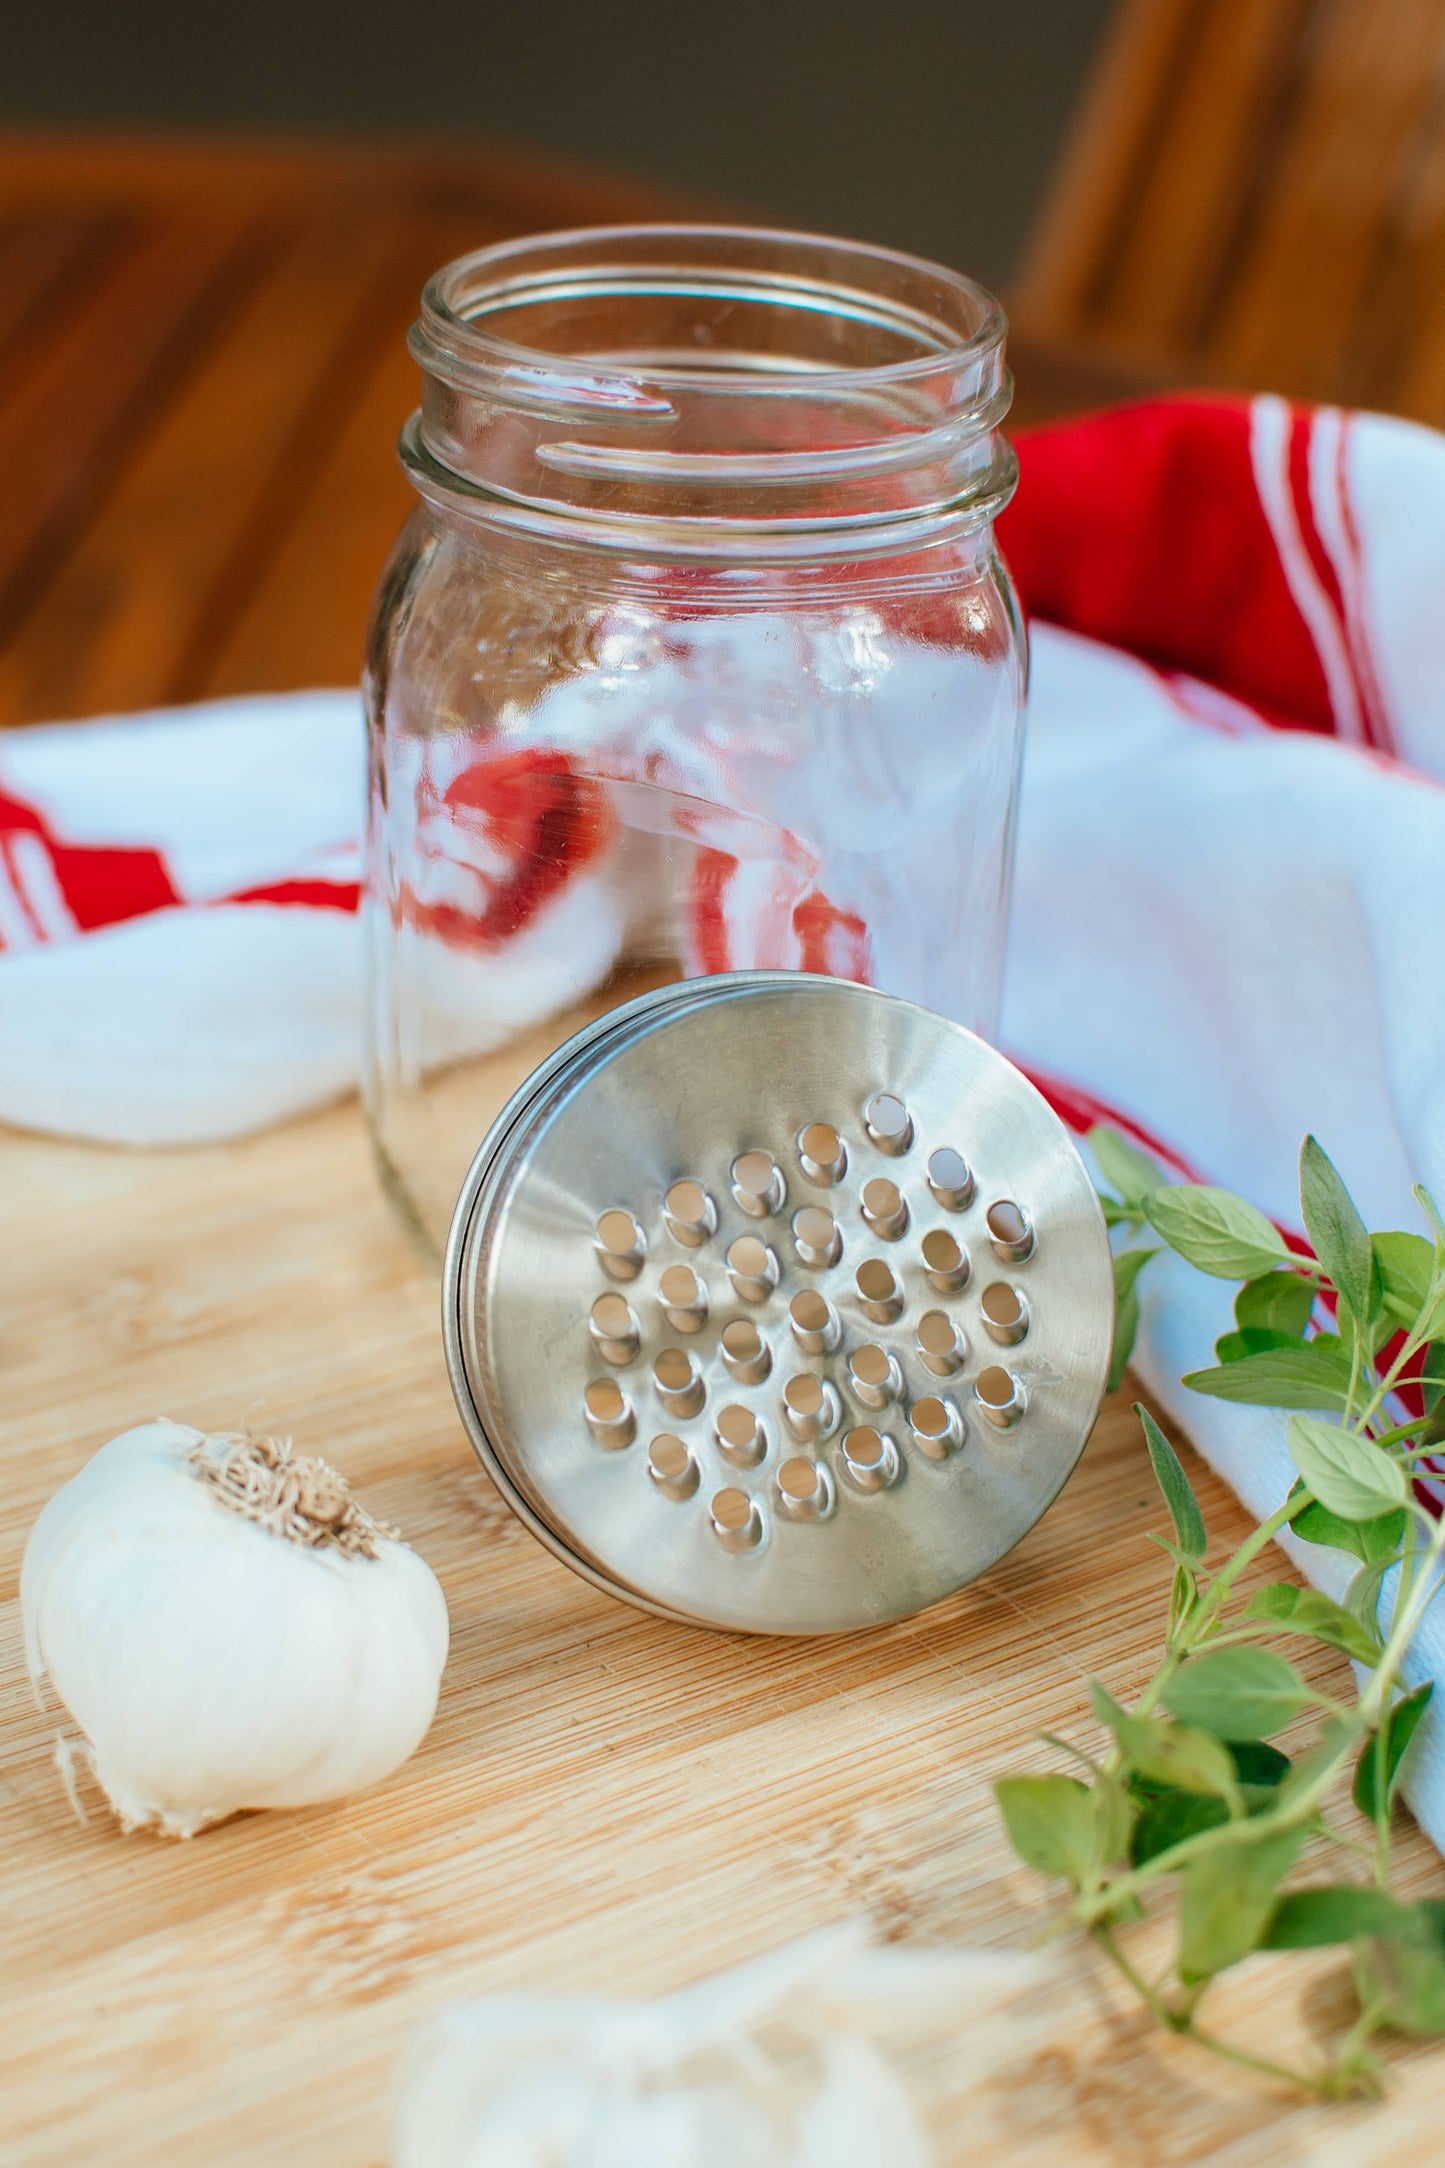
[(1254, 195)]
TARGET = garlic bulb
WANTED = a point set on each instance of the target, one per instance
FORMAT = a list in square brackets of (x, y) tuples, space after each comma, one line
[(770, 2065), (227, 1627)]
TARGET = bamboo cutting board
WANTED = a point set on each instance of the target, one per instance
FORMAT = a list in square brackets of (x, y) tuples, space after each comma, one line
[(607, 1801)]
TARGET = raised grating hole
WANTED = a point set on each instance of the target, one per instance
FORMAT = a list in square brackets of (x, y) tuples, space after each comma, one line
[(690, 1213), (614, 1326), (816, 1236), (822, 1154), (1000, 1395), (742, 1340), (950, 1178), (871, 1364), (605, 1402), (1009, 1230), (864, 1447), (668, 1455), (684, 1298), (878, 1290), (940, 1343), (1005, 1313), (753, 1268), (888, 1123), (731, 1509), (803, 1394), (884, 1208), (621, 1244), (798, 1478), (757, 1183), (945, 1262), (679, 1381)]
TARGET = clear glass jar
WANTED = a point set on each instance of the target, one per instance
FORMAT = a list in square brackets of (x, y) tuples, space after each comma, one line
[(697, 655)]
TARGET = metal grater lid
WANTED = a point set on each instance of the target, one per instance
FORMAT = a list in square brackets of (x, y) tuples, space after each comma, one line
[(777, 1304)]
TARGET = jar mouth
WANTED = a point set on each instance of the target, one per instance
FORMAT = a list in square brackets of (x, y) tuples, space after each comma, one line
[(508, 308), (709, 373)]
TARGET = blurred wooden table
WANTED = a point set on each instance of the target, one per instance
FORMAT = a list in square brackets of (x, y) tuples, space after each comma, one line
[(202, 370)]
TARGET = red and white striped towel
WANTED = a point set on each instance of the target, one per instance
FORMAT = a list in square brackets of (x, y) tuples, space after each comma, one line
[(1230, 899)]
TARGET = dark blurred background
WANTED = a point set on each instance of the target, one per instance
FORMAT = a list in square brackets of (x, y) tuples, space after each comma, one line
[(927, 124)]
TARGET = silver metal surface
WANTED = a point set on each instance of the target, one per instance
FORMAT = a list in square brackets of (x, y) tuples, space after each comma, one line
[(714, 1447)]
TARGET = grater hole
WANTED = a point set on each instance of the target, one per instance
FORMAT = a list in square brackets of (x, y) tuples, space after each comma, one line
[(803, 1394), (1005, 1313), (930, 1417), (742, 1341), (615, 1328), (822, 1153), (996, 1387), (757, 1183), (940, 1343), (870, 1364), (944, 1261), (668, 1455), (740, 1435), (815, 1322), (864, 1447), (605, 1403), (808, 1311), (621, 1244), (936, 1427), (753, 1268), (815, 1232), (690, 1213), (736, 1519), (1009, 1230), (950, 1178), (884, 1208), (878, 1290), (798, 1479), (673, 1370), (888, 1122), (684, 1298)]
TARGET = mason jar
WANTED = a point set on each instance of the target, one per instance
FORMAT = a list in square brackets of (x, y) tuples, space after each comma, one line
[(697, 654)]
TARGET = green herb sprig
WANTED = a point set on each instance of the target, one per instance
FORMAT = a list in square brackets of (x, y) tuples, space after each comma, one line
[(1188, 1795)]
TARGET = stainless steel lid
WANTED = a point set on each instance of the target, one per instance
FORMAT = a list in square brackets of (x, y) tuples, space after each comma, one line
[(777, 1304)]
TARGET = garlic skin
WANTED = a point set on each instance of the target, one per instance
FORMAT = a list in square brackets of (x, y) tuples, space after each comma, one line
[(695, 2079), (228, 1628)]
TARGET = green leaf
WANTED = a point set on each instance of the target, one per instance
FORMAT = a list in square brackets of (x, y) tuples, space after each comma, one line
[(1237, 1693), (1432, 1377), (1404, 1974), (1375, 1542), (1174, 1483), (1312, 1919), (1050, 1821), (1407, 1266), (1124, 1167), (1169, 1753), (1378, 1769), (1308, 1374), (1215, 1231), (1127, 1267), (1295, 1610), (1345, 1471), (1226, 1899), (1232, 1347), (1276, 1302), (1338, 1236), (1257, 1764), (1168, 1818)]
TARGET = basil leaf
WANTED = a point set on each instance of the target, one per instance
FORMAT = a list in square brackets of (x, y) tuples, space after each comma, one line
[(1407, 1266), (1226, 1899), (1257, 1764), (1306, 1375), (1126, 1332), (1338, 1236), (1276, 1302), (1312, 1919), (1232, 1347), (1345, 1471), (1215, 1231), (1050, 1822), (1124, 1167), (1174, 1483), (1432, 1377), (1239, 1693), (1172, 1754), (1374, 1543), (1405, 1973), (1378, 1768), (1295, 1610), (1168, 1818)]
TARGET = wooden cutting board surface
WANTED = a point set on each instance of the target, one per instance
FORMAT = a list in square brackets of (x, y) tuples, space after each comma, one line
[(606, 1801)]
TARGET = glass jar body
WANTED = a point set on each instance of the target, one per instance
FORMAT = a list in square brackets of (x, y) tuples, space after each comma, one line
[(592, 771)]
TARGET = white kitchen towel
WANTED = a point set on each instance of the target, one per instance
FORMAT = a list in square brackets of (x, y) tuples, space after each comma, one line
[(1230, 897)]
